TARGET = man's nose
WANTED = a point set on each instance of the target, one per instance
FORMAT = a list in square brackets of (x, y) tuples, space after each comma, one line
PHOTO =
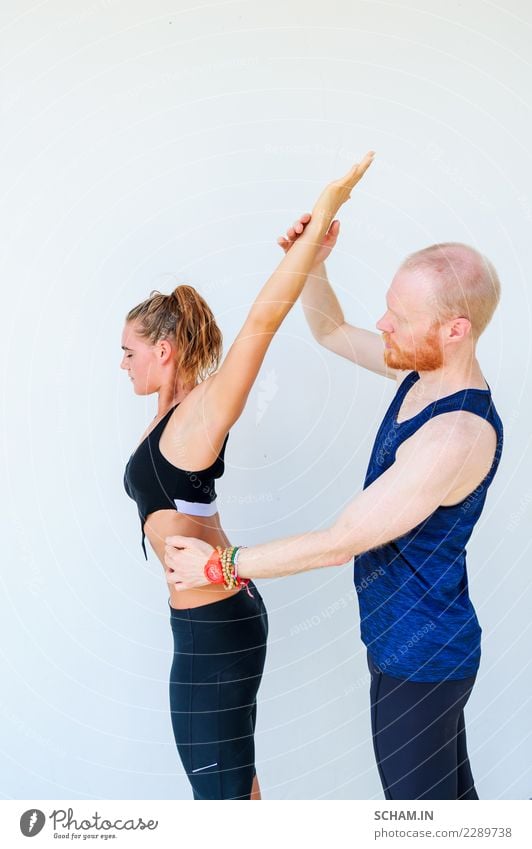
[(383, 325)]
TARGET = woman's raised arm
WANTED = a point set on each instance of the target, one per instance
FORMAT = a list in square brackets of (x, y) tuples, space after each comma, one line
[(227, 391)]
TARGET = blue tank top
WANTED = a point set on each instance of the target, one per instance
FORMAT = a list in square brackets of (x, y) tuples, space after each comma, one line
[(417, 619)]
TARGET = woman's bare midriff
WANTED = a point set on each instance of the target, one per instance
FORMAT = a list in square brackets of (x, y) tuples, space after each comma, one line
[(165, 523)]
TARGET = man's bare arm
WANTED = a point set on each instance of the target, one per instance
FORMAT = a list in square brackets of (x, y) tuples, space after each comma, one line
[(327, 323), (440, 458), (325, 315), (428, 467)]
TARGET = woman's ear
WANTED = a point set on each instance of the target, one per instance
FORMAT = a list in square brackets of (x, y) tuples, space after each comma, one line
[(165, 351)]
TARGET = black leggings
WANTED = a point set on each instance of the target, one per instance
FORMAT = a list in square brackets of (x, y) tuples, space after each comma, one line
[(419, 737), (219, 654)]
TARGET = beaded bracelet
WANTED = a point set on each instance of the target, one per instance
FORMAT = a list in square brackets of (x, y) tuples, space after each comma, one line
[(221, 568), (229, 579)]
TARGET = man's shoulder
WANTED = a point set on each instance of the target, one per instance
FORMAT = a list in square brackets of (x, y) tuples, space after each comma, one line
[(457, 438), (463, 424)]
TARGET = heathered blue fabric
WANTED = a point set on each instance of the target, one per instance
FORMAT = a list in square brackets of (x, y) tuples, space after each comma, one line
[(417, 619)]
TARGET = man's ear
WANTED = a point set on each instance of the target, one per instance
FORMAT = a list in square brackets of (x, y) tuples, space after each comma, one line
[(459, 328)]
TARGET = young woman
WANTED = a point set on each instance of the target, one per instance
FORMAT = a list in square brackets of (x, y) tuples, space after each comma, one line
[(172, 347)]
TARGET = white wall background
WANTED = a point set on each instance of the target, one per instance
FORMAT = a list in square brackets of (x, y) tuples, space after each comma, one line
[(148, 141)]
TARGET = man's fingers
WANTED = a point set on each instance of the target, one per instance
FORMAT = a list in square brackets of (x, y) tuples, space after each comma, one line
[(297, 228), (332, 233), (301, 223)]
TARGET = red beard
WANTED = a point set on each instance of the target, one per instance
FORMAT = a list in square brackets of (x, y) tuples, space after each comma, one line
[(427, 355)]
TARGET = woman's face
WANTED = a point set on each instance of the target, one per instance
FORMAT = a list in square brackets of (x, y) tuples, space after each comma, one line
[(141, 360)]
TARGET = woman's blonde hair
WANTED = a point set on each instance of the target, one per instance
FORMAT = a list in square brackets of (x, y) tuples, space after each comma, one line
[(184, 318)]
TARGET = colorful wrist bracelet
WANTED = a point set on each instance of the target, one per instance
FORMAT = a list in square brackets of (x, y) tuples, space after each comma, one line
[(213, 568), (236, 553), (221, 568), (227, 569), (239, 582)]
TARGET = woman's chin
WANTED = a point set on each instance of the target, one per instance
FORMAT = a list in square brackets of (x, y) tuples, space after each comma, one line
[(138, 391)]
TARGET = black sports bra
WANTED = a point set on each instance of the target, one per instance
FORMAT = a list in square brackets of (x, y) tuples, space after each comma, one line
[(156, 484)]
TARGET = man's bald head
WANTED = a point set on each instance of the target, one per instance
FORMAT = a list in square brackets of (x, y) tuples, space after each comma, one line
[(463, 281)]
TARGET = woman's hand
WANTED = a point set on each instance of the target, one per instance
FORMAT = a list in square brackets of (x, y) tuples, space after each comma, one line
[(337, 192), (294, 232), (185, 558)]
